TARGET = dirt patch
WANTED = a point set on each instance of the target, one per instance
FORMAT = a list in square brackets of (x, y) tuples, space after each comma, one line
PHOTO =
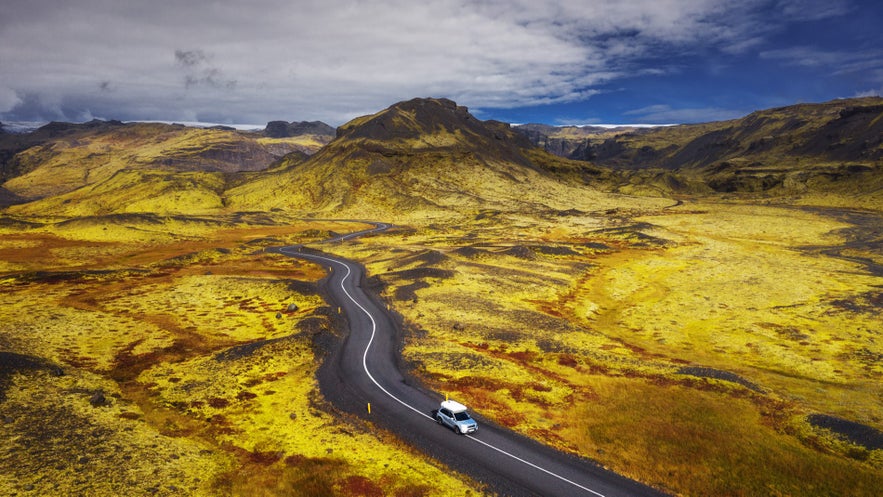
[(866, 302), (857, 433), (18, 224), (425, 258), (54, 449), (520, 252), (128, 365), (12, 363), (595, 246), (864, 240), (248, 349), (634, 235), (303, 287), (459, 361), (71, 276), (555, 250), (267, 241), (422, 272), (470, 252), (717, 374), (409, 292), (359, 485)]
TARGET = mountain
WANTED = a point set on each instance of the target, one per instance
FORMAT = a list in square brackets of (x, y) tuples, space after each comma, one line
[(60, 158), (283, 129), (564, 141), (838, 131), (846, 130), (807, 150), (424, 124), (138, 191), (422, 155), (13, 143), (427, 156)]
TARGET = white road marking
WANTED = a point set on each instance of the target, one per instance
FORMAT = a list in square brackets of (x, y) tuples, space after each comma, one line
[(544, 470), (371, 340), (400, 401)]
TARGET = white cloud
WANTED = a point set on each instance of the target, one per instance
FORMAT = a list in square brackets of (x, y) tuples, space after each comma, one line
[(577, 122), (805, 56), (813, 10), (867, 64), (330, 59), (869, 93), (8, 99), (665, 114)]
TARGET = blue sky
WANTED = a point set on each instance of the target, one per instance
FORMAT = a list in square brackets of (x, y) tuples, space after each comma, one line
[(794, 60), (549, 61)]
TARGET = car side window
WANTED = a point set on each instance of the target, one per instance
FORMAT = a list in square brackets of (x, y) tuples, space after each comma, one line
[(446, 412)]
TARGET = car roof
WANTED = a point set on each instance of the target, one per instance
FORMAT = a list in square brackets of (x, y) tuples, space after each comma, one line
[(453, 406)]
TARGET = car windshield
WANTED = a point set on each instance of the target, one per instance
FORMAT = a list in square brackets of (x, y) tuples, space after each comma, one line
[(461, 416)]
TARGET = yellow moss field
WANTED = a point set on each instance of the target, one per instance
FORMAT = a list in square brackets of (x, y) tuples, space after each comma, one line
[(175, 364), (740, 289), (308, 143), (687, 347)]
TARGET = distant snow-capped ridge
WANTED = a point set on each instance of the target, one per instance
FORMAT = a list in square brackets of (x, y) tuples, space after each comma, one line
[(20, 127), (199, 124), (614, 126), (605, 126)]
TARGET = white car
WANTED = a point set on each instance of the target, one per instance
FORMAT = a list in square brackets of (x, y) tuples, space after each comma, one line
[(453, 415)]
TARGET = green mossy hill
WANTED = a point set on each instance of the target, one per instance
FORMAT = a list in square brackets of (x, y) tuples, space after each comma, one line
[(847, 130), (418, 156), (819, 154), (284, 129), (427, 155), (429, 124), (136, 191), (61, 157), (13, 143)]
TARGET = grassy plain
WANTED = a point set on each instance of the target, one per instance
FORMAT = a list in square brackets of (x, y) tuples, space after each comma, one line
[(688, 347), (149, 355)]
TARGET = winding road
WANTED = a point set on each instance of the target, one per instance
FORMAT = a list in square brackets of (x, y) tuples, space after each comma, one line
[(366, 369)]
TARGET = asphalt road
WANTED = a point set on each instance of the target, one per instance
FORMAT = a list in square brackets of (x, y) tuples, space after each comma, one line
[(365, 368)]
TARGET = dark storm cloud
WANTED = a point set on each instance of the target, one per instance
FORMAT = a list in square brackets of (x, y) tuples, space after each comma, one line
[(190, 58), (37, 107), (200, 71)]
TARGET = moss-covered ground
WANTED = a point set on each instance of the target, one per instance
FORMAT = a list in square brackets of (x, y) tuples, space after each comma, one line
[(704, 348), (144, 355), (688, 347)]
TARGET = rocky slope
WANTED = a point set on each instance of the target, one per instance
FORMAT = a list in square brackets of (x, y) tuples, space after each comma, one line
[(807, 150), (283, 129), (569, 141), (849, 130)]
